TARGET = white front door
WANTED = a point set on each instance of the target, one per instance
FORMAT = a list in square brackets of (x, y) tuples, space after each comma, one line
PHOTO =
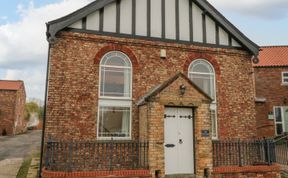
[(178, 143)]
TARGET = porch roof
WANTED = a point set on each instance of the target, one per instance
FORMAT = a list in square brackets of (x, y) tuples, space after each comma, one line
[(157, 89)]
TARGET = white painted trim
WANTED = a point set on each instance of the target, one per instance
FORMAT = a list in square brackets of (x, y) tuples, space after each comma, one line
[(283, 122), (214, 102), (131, 78), (284, 83), (113, 103)]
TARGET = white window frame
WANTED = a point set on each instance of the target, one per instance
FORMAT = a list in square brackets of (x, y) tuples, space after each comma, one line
[(213, 105), (121, 67), (282, 117), (115, 101), (210, 74), (283, 78)]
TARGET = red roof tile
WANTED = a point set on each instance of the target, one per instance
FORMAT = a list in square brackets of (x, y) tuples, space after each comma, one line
[(10, 85), (271, 56)]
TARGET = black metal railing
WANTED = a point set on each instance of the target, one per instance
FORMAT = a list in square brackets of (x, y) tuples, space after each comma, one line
[(281, 149), (243, 153), (92, 156)]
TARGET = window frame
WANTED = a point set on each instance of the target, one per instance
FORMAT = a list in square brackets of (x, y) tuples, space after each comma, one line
[(282, 119), (121, 67), (213, 106), (210, 74), (283, 78), (112, 101)]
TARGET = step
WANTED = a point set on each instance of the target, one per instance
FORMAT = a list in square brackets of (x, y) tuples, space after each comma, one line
[(180, 176)]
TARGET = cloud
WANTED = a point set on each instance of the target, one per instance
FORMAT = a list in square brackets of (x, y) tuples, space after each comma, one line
[(265, 9), (23, 45), (3, 17)]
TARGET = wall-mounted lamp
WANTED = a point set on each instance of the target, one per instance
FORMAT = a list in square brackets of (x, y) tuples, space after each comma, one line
[(182, 89)]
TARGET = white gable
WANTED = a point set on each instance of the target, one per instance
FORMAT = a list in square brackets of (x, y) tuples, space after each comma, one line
[(179, 20)]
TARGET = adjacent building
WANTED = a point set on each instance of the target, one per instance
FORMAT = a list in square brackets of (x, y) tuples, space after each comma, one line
[(12, 104), (271, 81)]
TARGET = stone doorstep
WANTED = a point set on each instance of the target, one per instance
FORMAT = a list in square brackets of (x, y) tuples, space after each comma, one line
[(180, 176)]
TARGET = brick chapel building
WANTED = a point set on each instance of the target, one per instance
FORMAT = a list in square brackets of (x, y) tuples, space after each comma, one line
[(174, 73), (271, 81), (12, 104)]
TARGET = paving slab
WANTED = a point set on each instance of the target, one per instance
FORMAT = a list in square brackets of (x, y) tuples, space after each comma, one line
[(10, 167)]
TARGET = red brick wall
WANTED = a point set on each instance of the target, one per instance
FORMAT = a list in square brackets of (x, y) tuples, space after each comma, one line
[(12, 105), (74, 73), (268, 83)]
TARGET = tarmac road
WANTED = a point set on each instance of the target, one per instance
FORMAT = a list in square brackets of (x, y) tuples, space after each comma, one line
[(20, 146)]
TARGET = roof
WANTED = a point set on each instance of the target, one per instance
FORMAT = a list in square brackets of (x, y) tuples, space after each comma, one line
[(53, 27), (10, 85), (154, 91), (273, 56)]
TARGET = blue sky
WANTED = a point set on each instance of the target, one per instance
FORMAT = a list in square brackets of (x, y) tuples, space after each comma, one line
[(23, 45)]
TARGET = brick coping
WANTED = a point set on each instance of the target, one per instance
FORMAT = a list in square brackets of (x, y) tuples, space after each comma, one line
[(246, 169), (116, 173)]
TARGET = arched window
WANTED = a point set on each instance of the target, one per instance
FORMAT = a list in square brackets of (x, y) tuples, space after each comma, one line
[(115, 75), (202, 73), (115, 86)]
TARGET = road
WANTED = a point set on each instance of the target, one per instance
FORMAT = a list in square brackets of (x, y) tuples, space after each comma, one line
[(20, 146)]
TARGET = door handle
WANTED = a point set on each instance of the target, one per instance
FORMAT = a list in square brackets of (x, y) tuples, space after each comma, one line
[(169, 145), (180, 141)]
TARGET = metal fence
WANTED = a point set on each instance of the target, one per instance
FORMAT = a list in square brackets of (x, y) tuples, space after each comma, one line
[(243, 153), (281, 149), (92, 156)]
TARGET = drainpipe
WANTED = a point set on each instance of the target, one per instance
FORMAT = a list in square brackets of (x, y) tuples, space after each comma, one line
[(44, 115)]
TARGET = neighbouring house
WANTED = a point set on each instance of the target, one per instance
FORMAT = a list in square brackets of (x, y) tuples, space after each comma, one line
[(12, 104), (142, 87), (271, 81)]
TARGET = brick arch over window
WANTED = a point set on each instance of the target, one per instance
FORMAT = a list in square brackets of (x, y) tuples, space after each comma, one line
[(120, 48), (207, 57)]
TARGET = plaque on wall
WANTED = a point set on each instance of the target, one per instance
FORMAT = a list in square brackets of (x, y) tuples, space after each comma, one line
[(205, 133)]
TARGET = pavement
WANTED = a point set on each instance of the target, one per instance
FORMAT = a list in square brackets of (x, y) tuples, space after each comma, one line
[(9, 167), (14, 149)]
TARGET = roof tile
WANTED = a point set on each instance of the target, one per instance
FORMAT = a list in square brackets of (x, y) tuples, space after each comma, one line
[(10, 85), (273, 56)]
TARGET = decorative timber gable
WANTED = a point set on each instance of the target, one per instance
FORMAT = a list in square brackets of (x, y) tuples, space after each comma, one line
[(182, 21)]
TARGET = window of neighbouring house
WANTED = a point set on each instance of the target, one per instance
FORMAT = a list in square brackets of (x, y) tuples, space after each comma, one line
[(202, 73), (114, 110), (281, 119), (285, 78)]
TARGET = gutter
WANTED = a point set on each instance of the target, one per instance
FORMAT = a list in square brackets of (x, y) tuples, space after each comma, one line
[(44, 115)]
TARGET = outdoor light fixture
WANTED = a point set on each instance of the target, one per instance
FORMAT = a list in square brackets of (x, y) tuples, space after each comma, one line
[(182, 89)]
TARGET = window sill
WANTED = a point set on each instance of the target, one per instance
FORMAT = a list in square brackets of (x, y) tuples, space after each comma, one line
[(284, 84)]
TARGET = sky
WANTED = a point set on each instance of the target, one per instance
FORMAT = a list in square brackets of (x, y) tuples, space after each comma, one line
[(24, 49)]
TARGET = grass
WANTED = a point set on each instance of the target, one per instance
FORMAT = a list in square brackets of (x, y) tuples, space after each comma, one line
[(23, 171)]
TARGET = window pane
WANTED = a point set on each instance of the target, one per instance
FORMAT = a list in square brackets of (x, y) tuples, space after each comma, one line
[(278, 115), (114, 122), (116, 59), (205, 82), (214, 123), (115, 82), (279, 129), (285, 74)]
